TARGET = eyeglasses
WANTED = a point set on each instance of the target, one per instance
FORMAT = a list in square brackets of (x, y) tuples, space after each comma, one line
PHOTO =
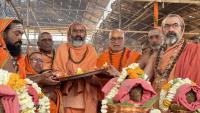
[(174, 26), (113, 39), (154, 36), (37, 60), (47, 39), (78, 30)]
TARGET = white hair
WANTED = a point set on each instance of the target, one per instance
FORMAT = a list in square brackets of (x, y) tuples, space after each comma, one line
[(119, 30), (177, 16)]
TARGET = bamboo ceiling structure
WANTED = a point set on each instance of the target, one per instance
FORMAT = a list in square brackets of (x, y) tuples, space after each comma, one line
[(135, 17)]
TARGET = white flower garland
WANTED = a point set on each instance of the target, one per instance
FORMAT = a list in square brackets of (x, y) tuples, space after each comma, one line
[(155, 111), (166, 96), (25, 100), (4, 77), (44, 103), (115, 89)]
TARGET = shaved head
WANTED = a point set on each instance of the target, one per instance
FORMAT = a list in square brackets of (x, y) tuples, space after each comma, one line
[(116, 32), (155, 38), (116, 40), (45, 42)]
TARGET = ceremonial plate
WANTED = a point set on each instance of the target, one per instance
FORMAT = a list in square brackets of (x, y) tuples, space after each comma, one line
[(99, 73)]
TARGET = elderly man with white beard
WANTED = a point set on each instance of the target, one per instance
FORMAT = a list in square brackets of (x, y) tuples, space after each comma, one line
[(155, 41), (176, 58)]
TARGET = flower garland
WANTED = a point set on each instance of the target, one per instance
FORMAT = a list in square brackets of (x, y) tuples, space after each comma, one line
[(125, 72), (168, 92), (25, 100), (44, 104), (155, 111), (136, 72)]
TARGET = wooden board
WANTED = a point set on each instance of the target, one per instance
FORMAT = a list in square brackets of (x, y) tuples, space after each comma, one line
[(80, 76)]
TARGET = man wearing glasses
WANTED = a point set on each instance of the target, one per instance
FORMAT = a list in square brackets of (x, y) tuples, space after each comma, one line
[(117, 54), (46, 52), (175, 58), (39, 69)]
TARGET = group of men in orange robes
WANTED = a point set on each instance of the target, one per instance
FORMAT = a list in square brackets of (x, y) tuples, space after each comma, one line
[(81, 96), (39, 69), (176, 57)]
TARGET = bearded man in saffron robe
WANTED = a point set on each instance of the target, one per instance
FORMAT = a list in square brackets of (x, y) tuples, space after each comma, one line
[(79, 96), (155, 41), (11, 58), (176, 58)]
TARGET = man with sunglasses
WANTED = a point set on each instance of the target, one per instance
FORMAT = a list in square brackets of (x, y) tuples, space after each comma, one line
[(154, 42)]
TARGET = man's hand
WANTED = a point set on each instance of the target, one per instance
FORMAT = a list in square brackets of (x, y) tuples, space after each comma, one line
[(93, 80), (51, 80), (38, 77), (113, 71)]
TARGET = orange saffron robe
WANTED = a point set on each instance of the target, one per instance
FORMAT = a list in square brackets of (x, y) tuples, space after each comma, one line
[(29, 69), (4, 54), (166, 58), (129, 57), (46, 58), (54, 108), (79, 95)]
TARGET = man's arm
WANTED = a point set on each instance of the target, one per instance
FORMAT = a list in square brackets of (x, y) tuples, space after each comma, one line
[(44, 79), (38, 77), (144, 60), (149, 69)]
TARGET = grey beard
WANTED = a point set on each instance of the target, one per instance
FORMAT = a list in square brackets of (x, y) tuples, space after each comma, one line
[(171, 40), (155, 47), (77, 43)]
